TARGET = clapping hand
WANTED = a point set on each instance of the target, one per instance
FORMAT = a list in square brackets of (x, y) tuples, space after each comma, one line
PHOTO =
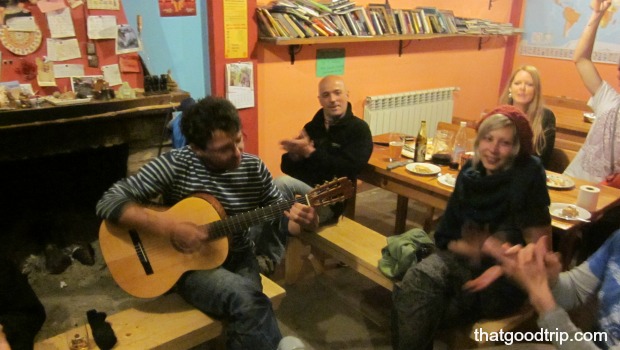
[(533, 266), (300, 147)]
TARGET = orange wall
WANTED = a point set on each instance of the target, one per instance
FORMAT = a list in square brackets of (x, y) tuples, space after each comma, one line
[(287, 93)]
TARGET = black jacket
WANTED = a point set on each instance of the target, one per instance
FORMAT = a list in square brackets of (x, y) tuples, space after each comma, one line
[(343, 150), (21, 312)]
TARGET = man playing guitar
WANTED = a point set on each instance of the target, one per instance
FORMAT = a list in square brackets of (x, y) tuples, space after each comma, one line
[(213, 163)]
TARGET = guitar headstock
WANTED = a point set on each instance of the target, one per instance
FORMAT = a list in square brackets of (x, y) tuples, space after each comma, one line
[(330, 192)]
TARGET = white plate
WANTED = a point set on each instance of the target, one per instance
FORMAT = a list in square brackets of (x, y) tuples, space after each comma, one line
[(432, 169), (447, 179), (559, 181), (589, 117), (555, 209)]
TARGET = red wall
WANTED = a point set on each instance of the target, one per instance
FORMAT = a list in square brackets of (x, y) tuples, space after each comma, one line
[(105, 51), (249, 116)]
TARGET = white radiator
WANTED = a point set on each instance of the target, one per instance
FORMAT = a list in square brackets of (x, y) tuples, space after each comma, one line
[(403, 112)]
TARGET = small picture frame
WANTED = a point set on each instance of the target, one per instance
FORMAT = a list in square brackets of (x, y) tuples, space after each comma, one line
[(93, 61), (83, 85), (91, 49)]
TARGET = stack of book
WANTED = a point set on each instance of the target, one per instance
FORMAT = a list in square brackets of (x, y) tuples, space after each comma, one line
[(312, 18)]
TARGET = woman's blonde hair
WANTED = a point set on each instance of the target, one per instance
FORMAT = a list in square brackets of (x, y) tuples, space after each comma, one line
[(494, 122), (535, 109)]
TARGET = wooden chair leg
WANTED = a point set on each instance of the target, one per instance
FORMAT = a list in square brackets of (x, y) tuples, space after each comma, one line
[(402, 205), (294, 259), (430, 219)]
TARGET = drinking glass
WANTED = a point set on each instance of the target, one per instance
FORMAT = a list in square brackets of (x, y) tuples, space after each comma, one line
[(77, 338), (396, 143), (442, 147)]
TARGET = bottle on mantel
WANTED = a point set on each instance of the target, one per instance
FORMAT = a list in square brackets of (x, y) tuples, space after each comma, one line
[(420, 144)]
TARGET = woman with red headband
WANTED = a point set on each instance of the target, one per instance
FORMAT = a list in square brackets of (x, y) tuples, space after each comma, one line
[(501, 193)]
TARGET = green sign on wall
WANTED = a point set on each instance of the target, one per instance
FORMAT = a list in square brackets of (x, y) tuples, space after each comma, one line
[(329, 62)]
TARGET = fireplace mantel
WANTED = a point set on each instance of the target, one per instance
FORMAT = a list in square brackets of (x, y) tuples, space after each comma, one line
[(35, 132)]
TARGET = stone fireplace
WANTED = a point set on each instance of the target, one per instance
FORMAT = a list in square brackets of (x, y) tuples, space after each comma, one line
[(57, 162)]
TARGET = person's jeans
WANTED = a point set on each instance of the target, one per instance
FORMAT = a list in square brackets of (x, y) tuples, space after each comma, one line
[(233, 292), (270, 240), (430, 297)]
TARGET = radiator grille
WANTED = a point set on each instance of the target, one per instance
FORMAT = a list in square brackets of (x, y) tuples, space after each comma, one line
[(403, 112)]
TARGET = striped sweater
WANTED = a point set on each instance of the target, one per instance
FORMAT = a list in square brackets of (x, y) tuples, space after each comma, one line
[(179, 173)]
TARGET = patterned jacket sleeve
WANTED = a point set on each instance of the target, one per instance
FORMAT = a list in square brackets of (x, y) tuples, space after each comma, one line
[(143, 187)]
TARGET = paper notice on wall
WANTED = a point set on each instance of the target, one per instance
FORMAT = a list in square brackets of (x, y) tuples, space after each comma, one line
[(45, 73), (60, 23), (240, 84), (103, 4), (68, 70), (101, 27), (62, 49), (112, 74), (21, 24), (50, 5), (235, 29)]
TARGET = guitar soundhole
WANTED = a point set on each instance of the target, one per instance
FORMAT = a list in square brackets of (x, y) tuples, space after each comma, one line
[(140, 252)]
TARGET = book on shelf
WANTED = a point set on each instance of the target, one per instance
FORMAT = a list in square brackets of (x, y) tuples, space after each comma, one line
[(351, 24), (367, 22), (264, 25), (435, 24), (383, 17), (374, 18), (340, 24), (305, 26), (289, 31), (425, 24), (415, 22), (318, 21), (315, 5), (279, 30), (327, 19), (293, 25), (401, 21), (448, 15), (339, 7), (409, 21)]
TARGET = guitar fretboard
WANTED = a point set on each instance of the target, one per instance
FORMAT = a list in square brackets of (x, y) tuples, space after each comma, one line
[(243, 221)]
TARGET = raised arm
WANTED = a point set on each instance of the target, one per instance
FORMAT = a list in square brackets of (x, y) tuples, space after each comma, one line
[(583, 52)]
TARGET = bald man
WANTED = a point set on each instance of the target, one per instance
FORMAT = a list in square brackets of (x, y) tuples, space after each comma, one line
[(335, 143)]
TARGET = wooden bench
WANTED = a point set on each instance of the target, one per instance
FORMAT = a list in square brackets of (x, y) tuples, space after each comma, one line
[(167, 322), (360, 248)]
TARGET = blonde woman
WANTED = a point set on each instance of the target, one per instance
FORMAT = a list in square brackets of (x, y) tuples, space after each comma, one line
[(524, 92)]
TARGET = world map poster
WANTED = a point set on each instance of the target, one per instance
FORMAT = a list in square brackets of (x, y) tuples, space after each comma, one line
[(552, 29)]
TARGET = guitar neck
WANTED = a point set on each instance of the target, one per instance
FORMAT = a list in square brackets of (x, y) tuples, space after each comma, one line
[(245, 220)]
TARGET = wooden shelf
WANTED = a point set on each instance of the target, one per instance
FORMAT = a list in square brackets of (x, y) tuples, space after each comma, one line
[(295, 43)]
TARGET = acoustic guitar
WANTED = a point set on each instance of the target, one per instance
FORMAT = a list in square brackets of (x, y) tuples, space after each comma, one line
[(147, 265)]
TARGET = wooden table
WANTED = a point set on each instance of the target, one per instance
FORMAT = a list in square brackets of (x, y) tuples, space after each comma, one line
[(571, 128), (428, 190)]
